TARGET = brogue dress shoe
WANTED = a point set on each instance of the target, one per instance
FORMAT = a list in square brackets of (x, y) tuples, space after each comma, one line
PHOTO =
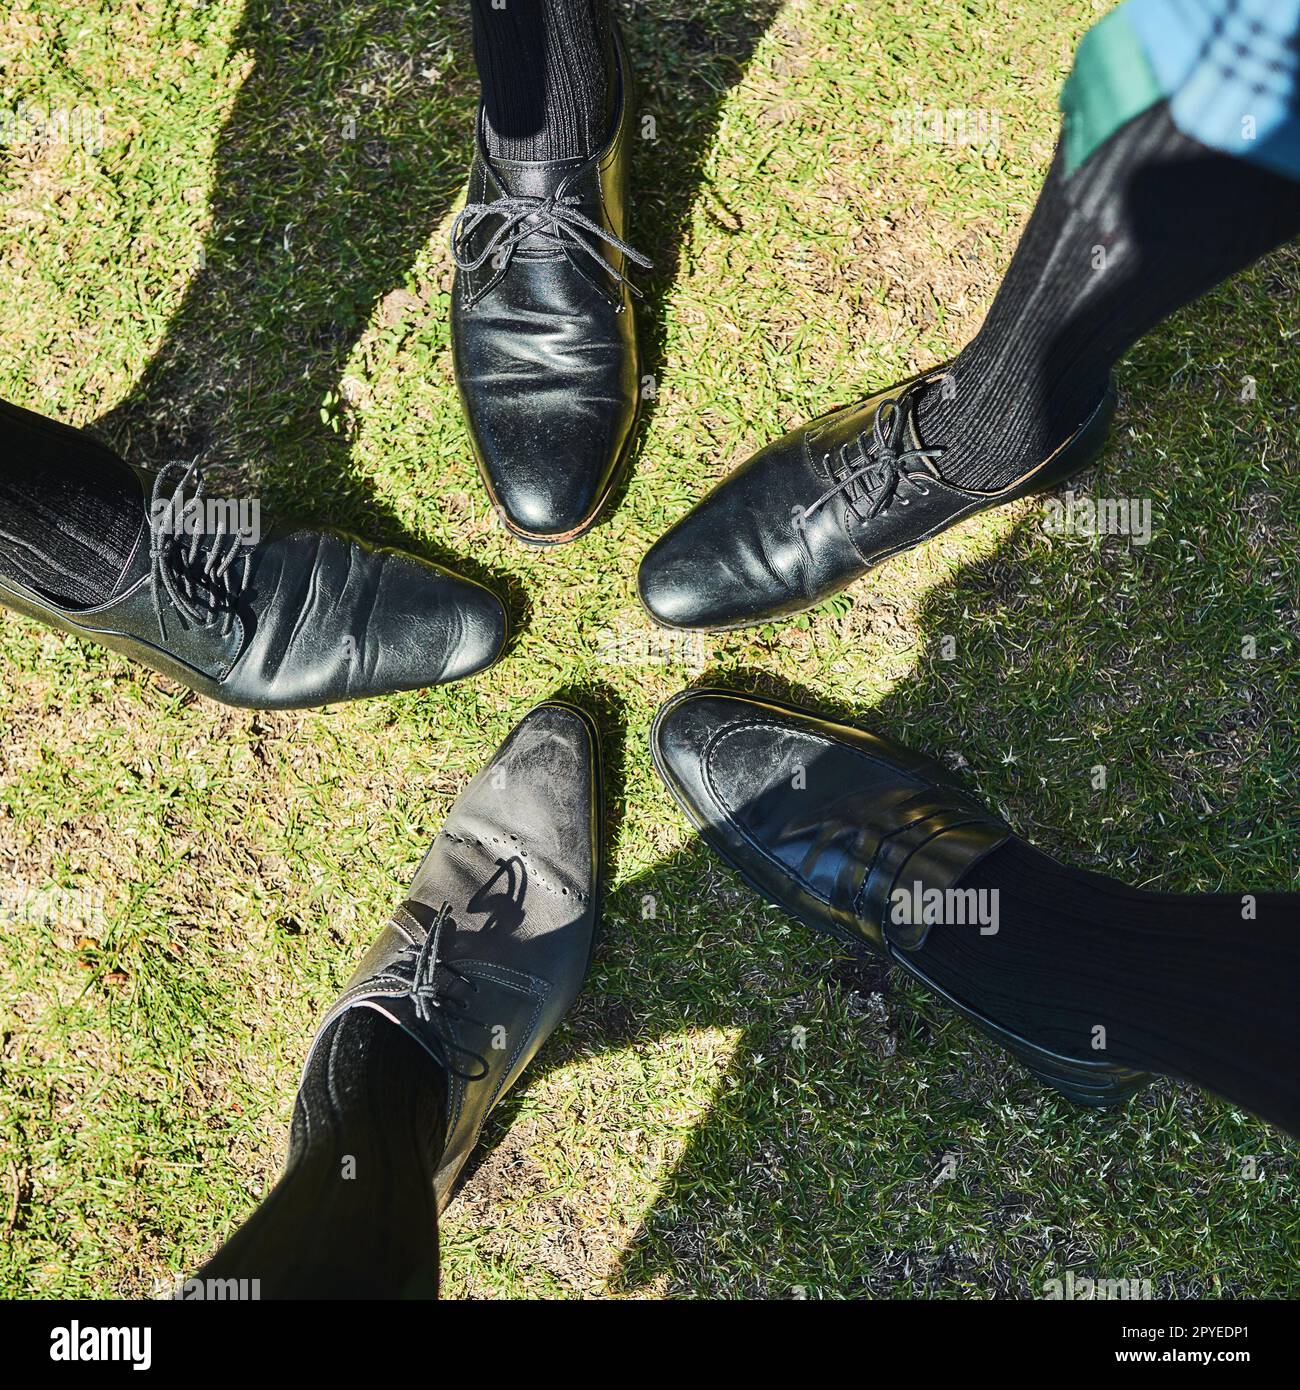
[(286, 618), (847, 832), (542, 329), (812, 512), (493, 943)]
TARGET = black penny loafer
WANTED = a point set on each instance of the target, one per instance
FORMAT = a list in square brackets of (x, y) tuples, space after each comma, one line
[(809, 514), (493, 943), (847, 832), (542, 331), (289, 619)]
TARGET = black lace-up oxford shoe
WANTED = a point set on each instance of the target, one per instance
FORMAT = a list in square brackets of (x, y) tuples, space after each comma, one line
[(814, 511), (543, 338), (492, 945), (847, 832), (290, 619)]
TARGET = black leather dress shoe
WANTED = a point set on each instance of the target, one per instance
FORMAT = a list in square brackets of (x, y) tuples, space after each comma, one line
[(812, 512), (493, 943), (289, 619), (542, 331), (848, 832)]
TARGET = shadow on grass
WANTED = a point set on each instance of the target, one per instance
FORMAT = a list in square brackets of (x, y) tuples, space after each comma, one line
[(313, 228), (344, 150), (687, 56)]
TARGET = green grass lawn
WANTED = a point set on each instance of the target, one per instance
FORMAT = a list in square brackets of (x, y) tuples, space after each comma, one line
[(252, 269)]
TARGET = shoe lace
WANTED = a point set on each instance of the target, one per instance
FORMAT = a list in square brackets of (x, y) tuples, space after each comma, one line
[(193, 574), (880, 460), (432, 997), (556, 220)]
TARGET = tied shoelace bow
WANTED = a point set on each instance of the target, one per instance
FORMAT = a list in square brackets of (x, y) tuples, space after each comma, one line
[(883, 457), (556, 220), (194, 572), (431, 997)]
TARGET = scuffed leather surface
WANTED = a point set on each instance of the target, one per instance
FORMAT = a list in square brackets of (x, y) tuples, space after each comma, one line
[(519, 862)]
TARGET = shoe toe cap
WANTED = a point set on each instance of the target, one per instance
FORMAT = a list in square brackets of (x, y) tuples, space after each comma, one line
[(680, 738), (484, 630), (350, 621), (427, 627), (690, 579), (736, 559), (549, 451), (538, 803), (550, 500)]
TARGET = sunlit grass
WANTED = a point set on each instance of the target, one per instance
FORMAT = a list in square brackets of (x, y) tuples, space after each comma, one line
[(234, 277)]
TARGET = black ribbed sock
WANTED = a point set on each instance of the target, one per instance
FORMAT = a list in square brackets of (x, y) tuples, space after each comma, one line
[(1150, 221), (354, 1215), (547, 69), (1191, 985), (70, 509)]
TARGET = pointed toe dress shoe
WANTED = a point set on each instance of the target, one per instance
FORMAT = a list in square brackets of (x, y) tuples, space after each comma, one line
[(543, 337), (289, 618), (812, 512), (849, 833), (493, 943)]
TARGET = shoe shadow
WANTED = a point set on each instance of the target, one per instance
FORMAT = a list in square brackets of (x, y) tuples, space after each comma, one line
[(817, 1166), (346, 146), (686, 56)]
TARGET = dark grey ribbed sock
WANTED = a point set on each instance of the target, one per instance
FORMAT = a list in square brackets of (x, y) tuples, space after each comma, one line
[(70, 509), (547, 68), (1150, 221), (1196, 985), (354, 1215)]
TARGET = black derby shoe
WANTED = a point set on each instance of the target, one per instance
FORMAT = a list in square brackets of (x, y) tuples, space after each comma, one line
[(831, 822), (809, 514), (492, 946), (289, 619), (542, 330)]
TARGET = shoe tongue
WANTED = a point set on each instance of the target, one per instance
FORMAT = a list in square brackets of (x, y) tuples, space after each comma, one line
[(536, 239), (402, 1010), (137, 564), (140, 564), (537, 180), (921, 395)]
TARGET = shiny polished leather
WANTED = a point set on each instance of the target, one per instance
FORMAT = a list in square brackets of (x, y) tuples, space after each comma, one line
[(320, 617), (749, 552), (828, 822), (544, 340), (517, 870)]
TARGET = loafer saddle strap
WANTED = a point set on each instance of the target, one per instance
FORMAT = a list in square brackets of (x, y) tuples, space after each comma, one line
[(934, 849)]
